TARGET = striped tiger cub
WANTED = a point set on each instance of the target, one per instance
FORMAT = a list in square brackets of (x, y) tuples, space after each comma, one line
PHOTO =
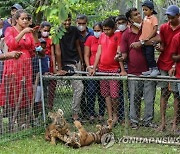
[(84, 138)]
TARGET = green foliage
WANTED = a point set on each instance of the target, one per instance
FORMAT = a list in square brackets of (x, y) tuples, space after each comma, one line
[(5, 6), (56, 12)]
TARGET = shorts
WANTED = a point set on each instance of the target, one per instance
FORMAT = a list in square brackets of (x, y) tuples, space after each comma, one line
[(38, 94), (109, 87), (165, 84)]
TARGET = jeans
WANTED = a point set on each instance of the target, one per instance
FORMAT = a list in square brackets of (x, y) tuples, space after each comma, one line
[(178, 84), (149, 54), (93, 90), (136, 92)]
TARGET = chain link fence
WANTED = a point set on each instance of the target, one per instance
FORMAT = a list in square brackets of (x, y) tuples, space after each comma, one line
[(140, 107), (20, 99), (27, 96)]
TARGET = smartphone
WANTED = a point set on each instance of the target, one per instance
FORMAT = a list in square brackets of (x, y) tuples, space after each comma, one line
[(36, 27)]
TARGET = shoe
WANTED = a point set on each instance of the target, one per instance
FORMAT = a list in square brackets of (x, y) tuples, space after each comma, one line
[(151, 125), (154, 73), (134, 126), (147, 73)]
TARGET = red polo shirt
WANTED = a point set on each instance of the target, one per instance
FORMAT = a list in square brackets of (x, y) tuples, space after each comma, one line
[(165, 61), (92, 43), (136, 60), (109, 49), (175, 49)]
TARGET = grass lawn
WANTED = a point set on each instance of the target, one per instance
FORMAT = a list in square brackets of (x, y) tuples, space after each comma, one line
[(37, 145)]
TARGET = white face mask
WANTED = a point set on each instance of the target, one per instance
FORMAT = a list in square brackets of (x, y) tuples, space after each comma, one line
[(45, 34), (81, 28), (138, 25), (122, 27), (97, 34)]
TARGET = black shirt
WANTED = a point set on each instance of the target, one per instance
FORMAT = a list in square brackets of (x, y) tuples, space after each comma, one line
[(69, 53)]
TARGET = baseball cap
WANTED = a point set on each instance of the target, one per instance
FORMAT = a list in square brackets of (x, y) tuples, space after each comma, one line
[(172, 10), (17, 6), (150, 5)]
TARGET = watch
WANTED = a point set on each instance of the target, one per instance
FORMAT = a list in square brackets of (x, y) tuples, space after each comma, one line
[(142, 42)]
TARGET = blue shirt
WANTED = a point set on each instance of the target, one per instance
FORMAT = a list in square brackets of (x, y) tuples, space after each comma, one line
[(44, 65), (6, 24)]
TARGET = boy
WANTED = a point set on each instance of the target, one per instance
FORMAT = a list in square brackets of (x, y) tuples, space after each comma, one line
[(108, 45), (149, 30)]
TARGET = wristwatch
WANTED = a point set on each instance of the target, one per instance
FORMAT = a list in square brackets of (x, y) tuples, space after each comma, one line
[(142, 42)]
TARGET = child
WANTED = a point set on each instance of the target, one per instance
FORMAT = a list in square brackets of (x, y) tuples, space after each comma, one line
[(149, 30), (108, 46), (40, 53), (44, 33)]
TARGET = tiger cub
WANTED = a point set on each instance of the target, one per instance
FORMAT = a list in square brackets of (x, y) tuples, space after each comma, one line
[(85, 138), (59, 128)]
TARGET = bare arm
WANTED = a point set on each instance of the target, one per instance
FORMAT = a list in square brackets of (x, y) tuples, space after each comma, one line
[(58, 59), (176, 58), (58, 56), (87, 55), (22, 33), (10, 55), (98, 55), (79, 51), (53, 58)]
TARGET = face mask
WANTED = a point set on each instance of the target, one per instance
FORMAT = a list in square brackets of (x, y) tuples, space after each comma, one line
[(81, 28), (122, 27), (45, 34), (138, 25), (97, 34)]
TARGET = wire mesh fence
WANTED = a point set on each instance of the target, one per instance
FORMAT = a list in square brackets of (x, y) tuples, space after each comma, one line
[(139, 106), (20, 113)]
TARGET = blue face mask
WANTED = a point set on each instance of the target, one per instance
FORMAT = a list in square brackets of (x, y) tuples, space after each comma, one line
[(97, 34)]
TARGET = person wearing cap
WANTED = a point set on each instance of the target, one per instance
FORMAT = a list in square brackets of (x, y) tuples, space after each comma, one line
[(149, 30), (10, 21), (165, 63)]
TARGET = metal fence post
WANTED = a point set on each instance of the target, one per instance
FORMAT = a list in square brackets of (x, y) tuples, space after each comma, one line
[(42, 92), (126, 104)]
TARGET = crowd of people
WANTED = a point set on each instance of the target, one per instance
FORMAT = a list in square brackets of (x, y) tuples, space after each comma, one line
[(124, 44)]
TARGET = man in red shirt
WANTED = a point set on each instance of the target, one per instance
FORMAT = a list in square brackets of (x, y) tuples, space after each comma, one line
[(131, 49), (165, 62), (175, 48)]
